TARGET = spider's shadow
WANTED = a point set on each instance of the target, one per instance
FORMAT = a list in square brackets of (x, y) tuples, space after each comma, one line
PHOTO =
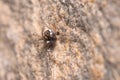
[(47, 47)]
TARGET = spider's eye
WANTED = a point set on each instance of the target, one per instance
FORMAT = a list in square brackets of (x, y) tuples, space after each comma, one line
[(47, 33)]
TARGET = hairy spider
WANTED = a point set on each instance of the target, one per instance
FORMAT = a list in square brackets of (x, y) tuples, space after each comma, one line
[(44, 42), (50, 37)]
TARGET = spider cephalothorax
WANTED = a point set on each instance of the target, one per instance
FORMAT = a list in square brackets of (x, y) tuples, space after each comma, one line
[(50, 38)]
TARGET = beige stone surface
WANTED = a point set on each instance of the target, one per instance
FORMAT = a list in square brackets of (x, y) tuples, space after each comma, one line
[(88, 47)]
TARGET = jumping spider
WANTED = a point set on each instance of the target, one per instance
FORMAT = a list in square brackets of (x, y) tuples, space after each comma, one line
[(46, 41), (49, 37)]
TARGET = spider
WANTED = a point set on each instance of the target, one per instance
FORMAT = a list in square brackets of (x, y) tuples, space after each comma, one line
[(47, 40), (49, 37)]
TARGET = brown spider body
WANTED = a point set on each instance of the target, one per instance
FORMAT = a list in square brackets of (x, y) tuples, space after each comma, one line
[(50, 38), (49, 35)]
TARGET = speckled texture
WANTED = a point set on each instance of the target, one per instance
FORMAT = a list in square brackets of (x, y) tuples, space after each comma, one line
[(88, 47)]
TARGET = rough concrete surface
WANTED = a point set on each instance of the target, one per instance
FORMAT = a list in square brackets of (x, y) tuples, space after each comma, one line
[(87, 47)]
